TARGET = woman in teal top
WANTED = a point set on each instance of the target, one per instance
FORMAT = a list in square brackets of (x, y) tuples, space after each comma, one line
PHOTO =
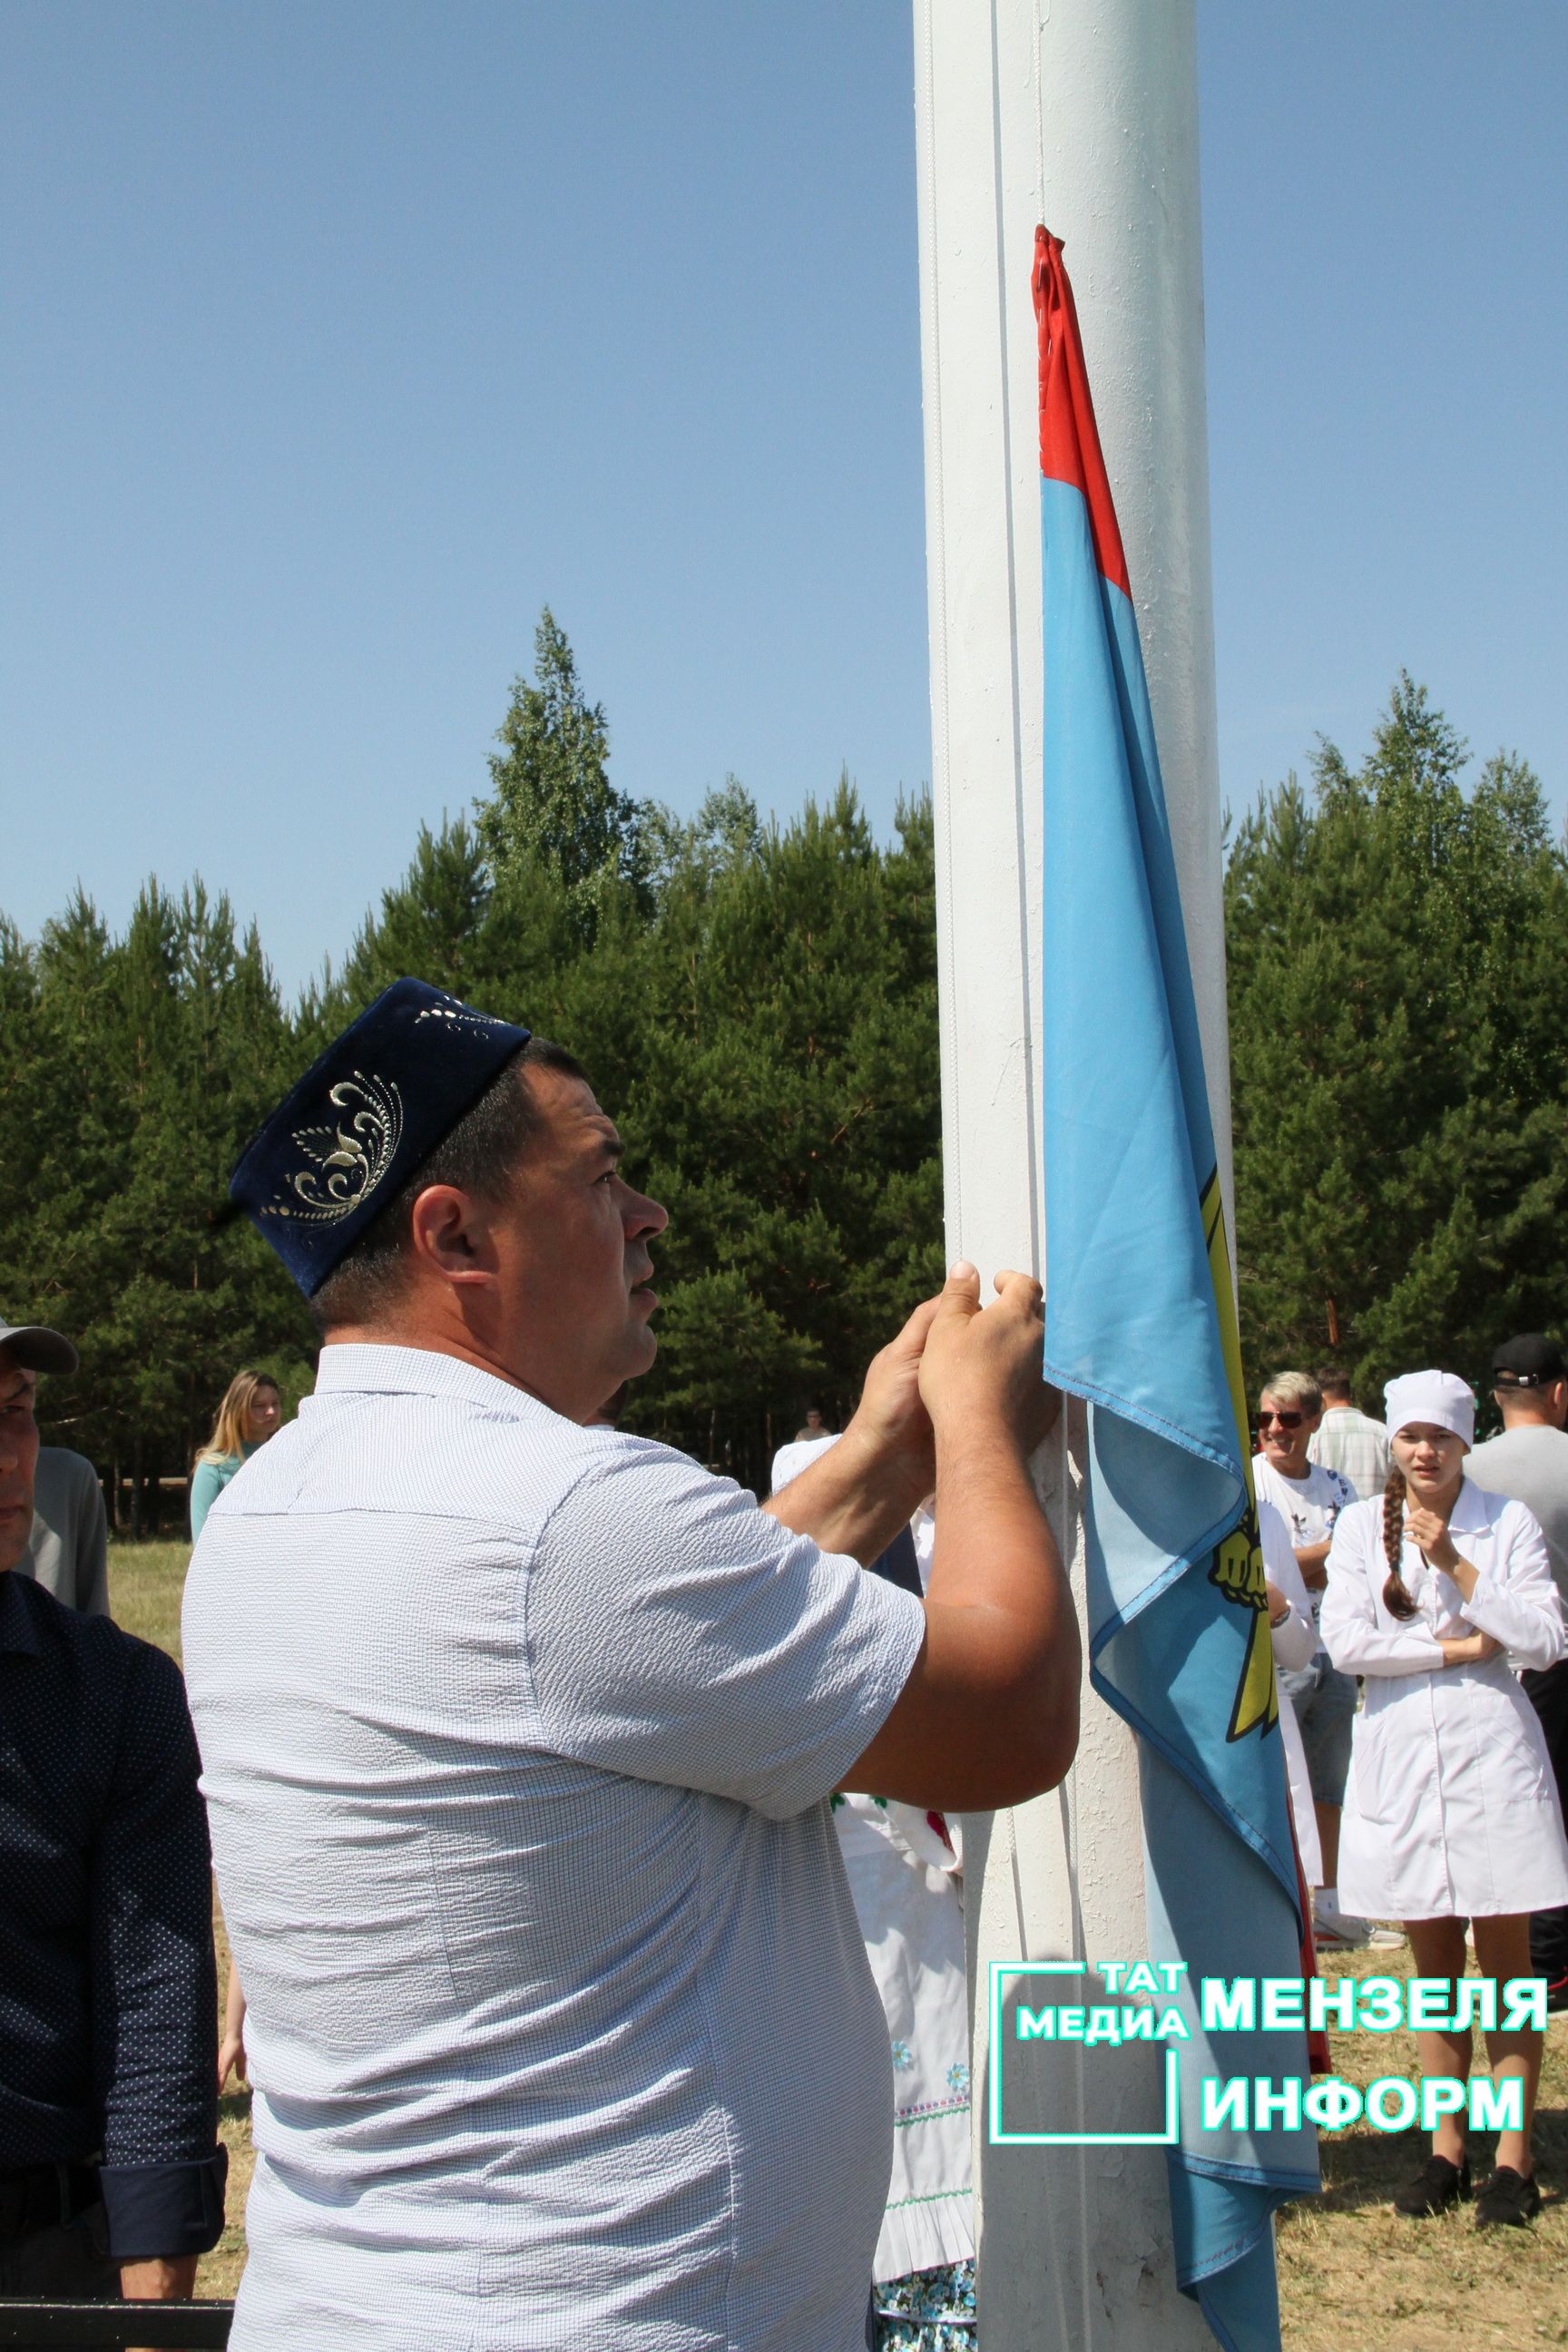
[(250, 1412)]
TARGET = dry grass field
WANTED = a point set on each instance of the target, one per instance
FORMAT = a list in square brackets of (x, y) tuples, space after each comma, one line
[(1354, 2274), (1353, 2277)]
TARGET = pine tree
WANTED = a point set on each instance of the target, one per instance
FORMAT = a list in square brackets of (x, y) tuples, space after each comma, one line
[(1399, 1037), (786, 1106), (757, 1007), (429, 924), (551, 803), (147, 1062)]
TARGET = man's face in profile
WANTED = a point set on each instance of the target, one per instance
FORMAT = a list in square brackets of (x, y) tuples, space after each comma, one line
[(577, 1270), (19, 1457)]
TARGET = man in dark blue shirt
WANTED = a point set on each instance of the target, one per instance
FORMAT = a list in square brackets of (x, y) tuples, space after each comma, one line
[(110, 2177)]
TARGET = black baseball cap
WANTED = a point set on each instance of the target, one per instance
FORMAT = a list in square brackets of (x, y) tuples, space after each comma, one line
[(1531, 1362)]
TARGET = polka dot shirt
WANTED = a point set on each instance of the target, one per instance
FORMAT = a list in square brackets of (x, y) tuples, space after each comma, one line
[(107, 2022)]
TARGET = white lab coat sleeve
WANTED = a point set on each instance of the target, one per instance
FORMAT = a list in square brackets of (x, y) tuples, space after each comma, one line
[(1519, 1603), (1295, 1637), (1354, 1636)]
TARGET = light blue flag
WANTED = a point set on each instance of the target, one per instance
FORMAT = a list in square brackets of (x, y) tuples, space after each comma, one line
[(1140, 1321)]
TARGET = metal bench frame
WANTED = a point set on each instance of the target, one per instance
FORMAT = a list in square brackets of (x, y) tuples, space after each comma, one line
[(178, 2326)]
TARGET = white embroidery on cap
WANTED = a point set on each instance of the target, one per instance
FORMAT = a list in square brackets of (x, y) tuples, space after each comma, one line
[(460, 1015), (349, 1160)]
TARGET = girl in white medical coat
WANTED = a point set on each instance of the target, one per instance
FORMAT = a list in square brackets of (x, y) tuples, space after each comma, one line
[(1451, 1813)]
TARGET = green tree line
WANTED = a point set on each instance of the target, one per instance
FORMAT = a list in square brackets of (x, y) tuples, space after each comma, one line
[(1399, 1048), (757, 1004)]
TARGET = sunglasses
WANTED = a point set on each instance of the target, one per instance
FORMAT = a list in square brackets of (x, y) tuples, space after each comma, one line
[(1285, 1420)]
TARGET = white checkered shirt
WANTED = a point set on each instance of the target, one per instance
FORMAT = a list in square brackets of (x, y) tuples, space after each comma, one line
[(1355, 1445)]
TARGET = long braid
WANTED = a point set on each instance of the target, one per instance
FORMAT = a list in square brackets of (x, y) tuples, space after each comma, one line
[(1395, 1599)]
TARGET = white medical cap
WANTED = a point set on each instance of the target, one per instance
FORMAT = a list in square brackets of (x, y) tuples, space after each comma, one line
[(1441, 1399)]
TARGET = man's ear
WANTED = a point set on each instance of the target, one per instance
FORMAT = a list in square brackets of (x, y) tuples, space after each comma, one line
[(450, 1235)]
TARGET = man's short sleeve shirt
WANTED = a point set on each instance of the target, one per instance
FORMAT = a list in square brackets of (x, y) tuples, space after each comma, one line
[(517, 1739)]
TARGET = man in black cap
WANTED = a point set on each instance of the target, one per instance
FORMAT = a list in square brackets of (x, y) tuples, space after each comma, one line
[(110, 2174), (518, 1736), (1530, 1462)]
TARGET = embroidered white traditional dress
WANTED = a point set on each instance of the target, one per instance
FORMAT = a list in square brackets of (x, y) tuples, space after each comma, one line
[(901, 1866), (1451, 1811)]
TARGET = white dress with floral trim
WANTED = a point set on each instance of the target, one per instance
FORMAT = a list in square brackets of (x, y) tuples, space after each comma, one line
[(903, 1870)]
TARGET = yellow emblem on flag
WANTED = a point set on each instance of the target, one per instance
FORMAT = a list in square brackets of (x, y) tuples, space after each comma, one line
[(1238, 1563)]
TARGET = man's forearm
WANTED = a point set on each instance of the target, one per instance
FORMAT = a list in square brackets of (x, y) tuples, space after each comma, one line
[(1312, 1560), (159, 2279), (852, 1499), (989, 1715), (994, 1545)]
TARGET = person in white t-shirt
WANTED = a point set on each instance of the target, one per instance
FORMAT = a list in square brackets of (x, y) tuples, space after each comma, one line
[(1310, 1498)]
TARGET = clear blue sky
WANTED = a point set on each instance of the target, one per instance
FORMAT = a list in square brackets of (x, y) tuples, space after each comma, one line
[(341, 337)]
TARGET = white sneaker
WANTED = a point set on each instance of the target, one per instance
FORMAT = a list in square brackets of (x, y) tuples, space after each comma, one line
[(1360, 1933), (1336, 1929)]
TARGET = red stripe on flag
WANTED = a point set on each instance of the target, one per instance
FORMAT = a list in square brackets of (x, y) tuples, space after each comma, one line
[(1069, 438), (1317, 2058)]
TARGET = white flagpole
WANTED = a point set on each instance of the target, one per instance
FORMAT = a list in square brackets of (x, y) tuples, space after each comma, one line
[(1081, 114)]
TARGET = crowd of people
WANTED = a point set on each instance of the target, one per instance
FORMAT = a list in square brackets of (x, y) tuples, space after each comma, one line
[(1434, 1573), (559, 1792)]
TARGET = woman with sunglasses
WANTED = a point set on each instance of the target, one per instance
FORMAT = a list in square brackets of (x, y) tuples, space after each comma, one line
[(1452, 1813), (1310, 1498)]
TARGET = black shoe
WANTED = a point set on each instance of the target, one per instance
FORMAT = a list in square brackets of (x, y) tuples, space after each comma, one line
[(1557, 1992), (1506, 2200), (1436, 2187)]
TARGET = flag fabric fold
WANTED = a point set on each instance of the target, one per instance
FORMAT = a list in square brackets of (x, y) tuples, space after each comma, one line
[(1141, 1322)]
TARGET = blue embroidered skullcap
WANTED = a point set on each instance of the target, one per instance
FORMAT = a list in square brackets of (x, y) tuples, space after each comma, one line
[(344, 1142)]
